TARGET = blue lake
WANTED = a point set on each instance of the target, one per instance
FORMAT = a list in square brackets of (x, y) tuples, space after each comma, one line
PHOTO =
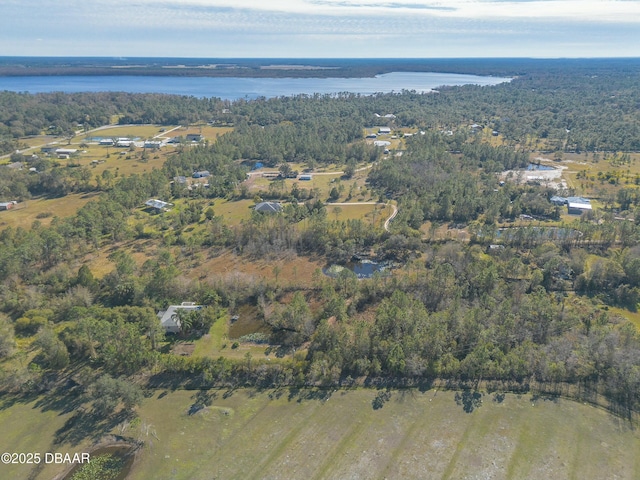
[(249, 88)]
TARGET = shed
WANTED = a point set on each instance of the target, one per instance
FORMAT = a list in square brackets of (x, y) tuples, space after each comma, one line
[(305, 177), (194, 137), (268, 207), (7, 205), (65, 151), (384, 130), (201, 174), (169, 318), (157, 205)]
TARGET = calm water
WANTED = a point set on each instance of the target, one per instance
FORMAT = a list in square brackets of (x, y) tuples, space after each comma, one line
[(236, 88), (362, 269)]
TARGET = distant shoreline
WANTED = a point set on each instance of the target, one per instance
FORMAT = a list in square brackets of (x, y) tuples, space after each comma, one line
[(292, 68)]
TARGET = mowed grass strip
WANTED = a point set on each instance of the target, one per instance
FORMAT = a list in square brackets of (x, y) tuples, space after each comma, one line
[(28, 428), (416, 435)]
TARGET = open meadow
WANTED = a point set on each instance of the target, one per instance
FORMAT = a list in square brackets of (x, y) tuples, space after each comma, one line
[(359, 434), (408, 434)]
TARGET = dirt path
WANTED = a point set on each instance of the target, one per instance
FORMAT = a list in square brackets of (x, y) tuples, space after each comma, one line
[(387, 221)]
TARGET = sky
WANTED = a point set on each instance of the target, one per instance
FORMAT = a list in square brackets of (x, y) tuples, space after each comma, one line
[(321, 28)]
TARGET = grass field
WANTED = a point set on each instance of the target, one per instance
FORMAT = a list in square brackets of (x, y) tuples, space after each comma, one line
[(25, 213), (131, 131), (287, 434), (339, 434), (31, 427)]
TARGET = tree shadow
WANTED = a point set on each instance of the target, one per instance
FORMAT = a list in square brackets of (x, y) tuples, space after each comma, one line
[(380, 399), (302, 394), (85, 425), (468, 400), (202, 399)]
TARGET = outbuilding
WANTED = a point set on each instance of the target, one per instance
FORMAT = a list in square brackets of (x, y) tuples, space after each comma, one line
[(576, 208), (7, 205)]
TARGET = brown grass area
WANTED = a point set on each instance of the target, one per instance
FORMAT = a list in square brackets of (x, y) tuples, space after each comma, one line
[(25, 213), (110, 158), (592, 186), (208, 132), (292, 270), (140, 250)]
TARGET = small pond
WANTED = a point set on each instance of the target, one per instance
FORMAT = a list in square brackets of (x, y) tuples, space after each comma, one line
[(248, 322), (362, 268), (537, 166)]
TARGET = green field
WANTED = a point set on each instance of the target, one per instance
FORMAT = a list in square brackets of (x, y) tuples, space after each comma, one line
[(339, 434), (43, 210), (414, 435)]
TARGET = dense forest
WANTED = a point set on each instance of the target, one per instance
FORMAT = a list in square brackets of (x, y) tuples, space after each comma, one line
[(530, 306)]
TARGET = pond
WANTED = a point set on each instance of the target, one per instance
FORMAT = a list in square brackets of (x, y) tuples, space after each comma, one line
[(537, 166), (362, 268), (248, 322)]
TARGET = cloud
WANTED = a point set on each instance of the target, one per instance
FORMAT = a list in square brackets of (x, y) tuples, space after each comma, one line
[(318, 27)]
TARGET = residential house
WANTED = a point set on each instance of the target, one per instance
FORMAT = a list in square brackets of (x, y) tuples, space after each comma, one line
[(268, 207), (170, 319), (157, 205)]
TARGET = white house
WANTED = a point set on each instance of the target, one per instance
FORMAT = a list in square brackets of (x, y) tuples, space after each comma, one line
[(169, 318), (158, 205)]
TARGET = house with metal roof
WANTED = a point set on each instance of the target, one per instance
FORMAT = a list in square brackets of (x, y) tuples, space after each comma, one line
[(170, 318), (268, 207), (578, 208), (157, 205)]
